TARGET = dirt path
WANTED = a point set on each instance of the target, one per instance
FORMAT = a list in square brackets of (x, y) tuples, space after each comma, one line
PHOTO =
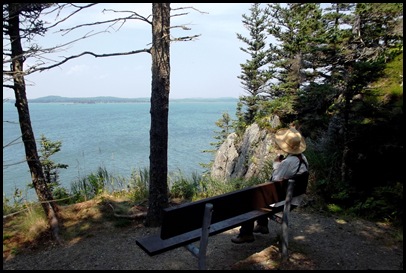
[(315, 242)]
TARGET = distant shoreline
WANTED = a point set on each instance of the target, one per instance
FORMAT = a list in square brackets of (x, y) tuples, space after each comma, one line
[(94, 100)]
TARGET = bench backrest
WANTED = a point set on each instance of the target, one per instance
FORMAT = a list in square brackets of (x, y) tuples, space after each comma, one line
[(189, 216)]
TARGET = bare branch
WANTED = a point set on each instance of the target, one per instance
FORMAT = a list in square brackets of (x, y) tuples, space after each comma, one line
[(52, 49), (185, 38), (182, 27), (147, 50), (8, 86), (37, 53), (13, 142), (133, 16), (13, 164), (42, 63), (180, 14), (60, 7), (140, 17), (181, 8)]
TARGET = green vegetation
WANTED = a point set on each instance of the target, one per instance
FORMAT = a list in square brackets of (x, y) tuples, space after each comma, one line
[(342, 87), (49, 167)]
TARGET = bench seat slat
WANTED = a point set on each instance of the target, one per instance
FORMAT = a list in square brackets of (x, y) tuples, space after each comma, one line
[(154, 245)]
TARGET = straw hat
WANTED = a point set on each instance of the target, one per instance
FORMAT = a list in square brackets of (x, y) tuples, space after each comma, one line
[(290, 140)]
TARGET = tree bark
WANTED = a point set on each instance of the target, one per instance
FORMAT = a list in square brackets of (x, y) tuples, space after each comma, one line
[(158, 187)]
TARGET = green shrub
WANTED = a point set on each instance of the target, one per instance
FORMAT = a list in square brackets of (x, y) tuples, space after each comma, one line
[(62, 195), (139, 185), (182, 188)]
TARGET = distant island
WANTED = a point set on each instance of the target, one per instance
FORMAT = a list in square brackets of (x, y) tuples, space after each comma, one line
[(91, 100)]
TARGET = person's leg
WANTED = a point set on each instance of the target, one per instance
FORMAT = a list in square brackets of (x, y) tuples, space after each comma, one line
[(246, 228), (263, 221), (262, 225), (246, 235)]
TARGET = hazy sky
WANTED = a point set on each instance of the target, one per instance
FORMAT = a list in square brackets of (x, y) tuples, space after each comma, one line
[(205, 68)]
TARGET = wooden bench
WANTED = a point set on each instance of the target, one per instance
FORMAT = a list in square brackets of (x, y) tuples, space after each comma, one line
[(187, 223)]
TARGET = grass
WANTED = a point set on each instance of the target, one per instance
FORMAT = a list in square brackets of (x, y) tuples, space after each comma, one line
[(29, 229), (22, 230)]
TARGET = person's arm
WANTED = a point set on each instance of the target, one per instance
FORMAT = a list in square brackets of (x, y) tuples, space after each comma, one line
[(277, 170), (277, 161)]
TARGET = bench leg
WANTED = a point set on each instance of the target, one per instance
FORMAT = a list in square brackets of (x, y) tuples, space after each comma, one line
[(200, 252), (204, 240), (285, 221)]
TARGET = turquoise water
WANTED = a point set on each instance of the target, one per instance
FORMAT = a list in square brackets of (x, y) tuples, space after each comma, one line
[(114, 136)]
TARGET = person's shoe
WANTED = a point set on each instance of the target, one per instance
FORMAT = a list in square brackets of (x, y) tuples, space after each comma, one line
[(261, 229), (240, 239)]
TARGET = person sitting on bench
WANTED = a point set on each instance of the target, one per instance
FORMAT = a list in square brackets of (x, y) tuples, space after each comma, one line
[(293, 143)]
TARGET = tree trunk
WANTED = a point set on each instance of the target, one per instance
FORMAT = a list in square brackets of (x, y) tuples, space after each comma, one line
[(345, 172), (44, 195), (158, 187)]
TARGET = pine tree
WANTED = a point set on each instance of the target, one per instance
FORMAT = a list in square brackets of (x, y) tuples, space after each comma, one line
[(255, 73), (294, 27), (226, 127), (50, 168), (224, 123)]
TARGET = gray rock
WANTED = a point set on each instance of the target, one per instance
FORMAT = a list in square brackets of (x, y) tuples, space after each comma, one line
[(245, 157)]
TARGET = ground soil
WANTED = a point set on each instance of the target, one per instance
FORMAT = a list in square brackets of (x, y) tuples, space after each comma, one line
[(316, 242)]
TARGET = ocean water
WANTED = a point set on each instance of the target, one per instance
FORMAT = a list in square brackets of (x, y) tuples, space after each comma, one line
[(110, 135)]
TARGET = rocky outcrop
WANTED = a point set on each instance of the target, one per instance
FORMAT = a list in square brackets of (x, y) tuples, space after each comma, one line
[(225, 159), (245, 157)]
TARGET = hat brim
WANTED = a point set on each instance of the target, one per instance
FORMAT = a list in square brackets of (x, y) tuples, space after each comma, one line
[(280, 140)]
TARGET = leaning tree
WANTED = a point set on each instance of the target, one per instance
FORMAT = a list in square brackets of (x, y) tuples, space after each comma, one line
[(20, 22)]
